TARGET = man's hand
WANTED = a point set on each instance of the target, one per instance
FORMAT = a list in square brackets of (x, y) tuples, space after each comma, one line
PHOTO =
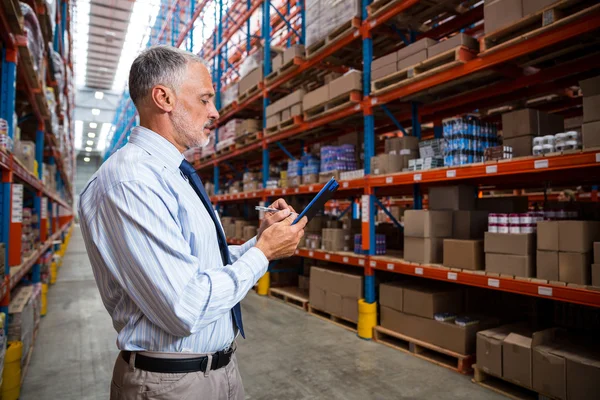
[(273, 218), (281, 239)]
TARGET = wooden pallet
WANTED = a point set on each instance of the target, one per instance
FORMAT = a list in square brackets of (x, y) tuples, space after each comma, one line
[(536, 24), (431, 66), (248, 93), (285, 68), (333, 105), (272, 130), (247, 139), (505, 388), (337, 34), (225, 150), (293, 296), (227, 109), (339, 321), (290, 123), (457, 362)]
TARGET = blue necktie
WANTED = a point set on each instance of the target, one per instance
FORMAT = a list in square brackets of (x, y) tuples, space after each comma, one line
[(189, 171)]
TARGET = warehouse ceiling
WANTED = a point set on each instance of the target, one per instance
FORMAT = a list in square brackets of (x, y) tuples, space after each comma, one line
[(108, 34)]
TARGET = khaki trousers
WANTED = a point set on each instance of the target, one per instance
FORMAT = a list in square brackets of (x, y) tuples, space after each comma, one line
[(130, 383)]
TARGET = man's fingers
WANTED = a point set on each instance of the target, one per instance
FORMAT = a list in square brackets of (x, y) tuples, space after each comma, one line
[(292, 209), (301, 224), (279, 215), (279, 204)]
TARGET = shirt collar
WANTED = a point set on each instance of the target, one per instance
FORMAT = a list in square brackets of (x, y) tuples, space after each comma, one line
[(157, 146)]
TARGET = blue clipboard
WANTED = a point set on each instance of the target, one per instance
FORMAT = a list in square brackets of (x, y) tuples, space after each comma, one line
[(318, 202)]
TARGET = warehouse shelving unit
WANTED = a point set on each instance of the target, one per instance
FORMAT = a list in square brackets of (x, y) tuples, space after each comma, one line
[(54, 207), (490, 79)]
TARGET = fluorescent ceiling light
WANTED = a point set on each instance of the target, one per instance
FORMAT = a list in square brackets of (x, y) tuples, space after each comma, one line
[(86, 159), (90, 142), (93, 125), (91, 134), (143, 17), (88, 149), (95, 111), (99, 95), (78, 134)]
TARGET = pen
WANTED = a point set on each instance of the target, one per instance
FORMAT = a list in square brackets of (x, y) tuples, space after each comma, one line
[(267, 209)]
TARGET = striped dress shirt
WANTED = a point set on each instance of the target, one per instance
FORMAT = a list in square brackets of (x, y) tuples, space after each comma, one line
[(155, 254)]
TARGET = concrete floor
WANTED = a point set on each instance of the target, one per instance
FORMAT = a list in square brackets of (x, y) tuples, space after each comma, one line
[(289, 354)]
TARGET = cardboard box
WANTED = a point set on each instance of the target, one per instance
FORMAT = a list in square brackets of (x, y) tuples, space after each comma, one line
[(428, 223), (590, 87), (273, 120), (467, 254), (285, 115), (310, 179), (414, 48), (349, 285), (574, 268), (529, 122), (547, 265), (591, 108), (533, 6), (379, 164), (457, 197), (423, 250), (411, 60), (350, 81), (489, 349), (509, 264), (507, 205), (250, 80), (333, 303), (583, 375), (549, 367), (457, 40), (446, 335), (277, 62), (596, 275), (398, 144), (521, 244), (391, 294), (547, 235), (429, 299), (350, 309), (517, 355), (315, 98), (293, 98), (296, 50), (381, 62), (578, 236), (383, 72), (296, 110), (522, 146), (469, 224), (590, 134), (501, 13)]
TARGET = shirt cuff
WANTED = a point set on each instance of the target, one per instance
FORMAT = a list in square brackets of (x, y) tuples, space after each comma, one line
[(248, 245), (258, 262)]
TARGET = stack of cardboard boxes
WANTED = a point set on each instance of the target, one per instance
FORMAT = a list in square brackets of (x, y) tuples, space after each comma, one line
[(417, 52), (283, 109), (590, 129), (410, 307), (565, 250), (545, 360), (336, 292), (325, 16), (335, 239), (248, 232), (251, 181), (398, 152), (349, 82), (287, 56), (510, 254), (247, 126), (498, 14), (229, 95), (25, 153), (521, 126), (251, 72), (228, 226), (424, 233)]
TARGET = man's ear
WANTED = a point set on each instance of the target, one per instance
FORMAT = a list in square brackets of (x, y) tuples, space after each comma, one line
[(163, 97)]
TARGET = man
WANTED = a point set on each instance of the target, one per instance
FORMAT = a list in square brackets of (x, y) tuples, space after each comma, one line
[(166, 276)]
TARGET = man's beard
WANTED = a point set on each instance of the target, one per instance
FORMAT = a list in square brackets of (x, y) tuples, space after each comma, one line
[(185, 130)]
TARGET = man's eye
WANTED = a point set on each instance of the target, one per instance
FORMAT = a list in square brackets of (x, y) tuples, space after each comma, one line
[(205, 102)]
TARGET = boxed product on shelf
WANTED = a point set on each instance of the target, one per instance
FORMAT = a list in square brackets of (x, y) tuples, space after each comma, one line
[(464, 254), (498, 14), (350, 81), (489, 349), (312, 241), (424, 231), (514, 223), (25, 152), (250, 80), (497, 153), (466, 139), (391, 294), (247, 126), (336, 292), (384, 66), (590, 133), (455, 197), (326, 16), (380, 244), (432, 148), (295, 50), (334, 239), (316, 97), (455, 41), (510, 254), (520, 127), (469, 224), (591, 108), (248, 232), (407, 56), (431, 298), (21, 322)]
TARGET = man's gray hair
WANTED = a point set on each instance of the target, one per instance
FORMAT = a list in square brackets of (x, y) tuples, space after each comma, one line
[(158, 65)]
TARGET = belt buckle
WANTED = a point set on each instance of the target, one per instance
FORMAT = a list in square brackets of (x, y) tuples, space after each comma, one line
[(204, 364)]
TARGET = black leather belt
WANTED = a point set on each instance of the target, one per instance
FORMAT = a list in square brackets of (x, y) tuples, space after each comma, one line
[(183, 365)]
